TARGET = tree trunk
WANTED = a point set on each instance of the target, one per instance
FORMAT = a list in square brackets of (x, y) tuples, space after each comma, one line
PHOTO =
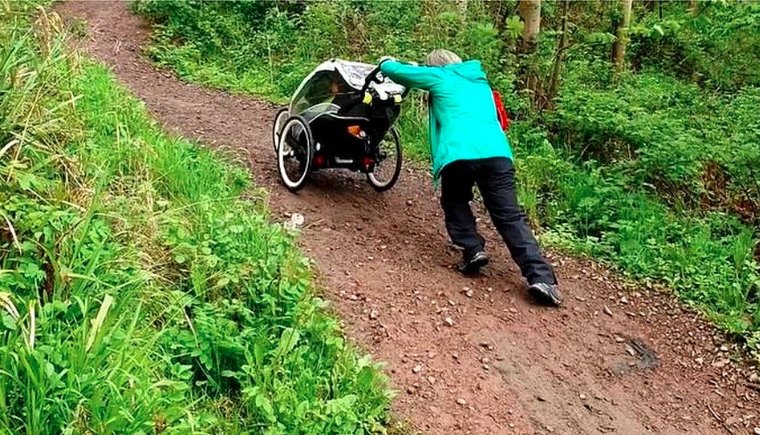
[(621, 34), (530, 12), (693, 7), (560, 55)]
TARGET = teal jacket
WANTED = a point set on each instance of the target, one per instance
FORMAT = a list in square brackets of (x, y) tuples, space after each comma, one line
[(463, 120)]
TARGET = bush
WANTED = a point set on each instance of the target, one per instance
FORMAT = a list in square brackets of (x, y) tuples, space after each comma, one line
[(591, 209), (140, 292), (693, 149), (715, 47)]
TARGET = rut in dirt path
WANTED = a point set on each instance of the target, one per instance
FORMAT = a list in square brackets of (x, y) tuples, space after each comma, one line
[(467, 355)]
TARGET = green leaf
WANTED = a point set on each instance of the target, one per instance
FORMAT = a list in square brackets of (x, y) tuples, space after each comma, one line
[(513, 27), (266, 406), (8, 321), (288, 341), (27, 181)]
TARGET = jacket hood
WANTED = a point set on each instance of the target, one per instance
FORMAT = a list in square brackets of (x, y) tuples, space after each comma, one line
[(472, 69)]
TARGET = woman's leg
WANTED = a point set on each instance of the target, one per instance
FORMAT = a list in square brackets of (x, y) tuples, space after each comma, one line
[(497, 186), (457, 181)]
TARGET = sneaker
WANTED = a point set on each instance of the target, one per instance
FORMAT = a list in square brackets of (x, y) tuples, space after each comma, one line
[(472, 265), (547, 294)]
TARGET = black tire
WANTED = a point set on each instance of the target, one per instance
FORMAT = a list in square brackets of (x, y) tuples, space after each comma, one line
[(381, 185), (303, 157), (279, 119)]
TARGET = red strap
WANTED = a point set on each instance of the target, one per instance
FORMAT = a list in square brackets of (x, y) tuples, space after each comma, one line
[(501, 112)]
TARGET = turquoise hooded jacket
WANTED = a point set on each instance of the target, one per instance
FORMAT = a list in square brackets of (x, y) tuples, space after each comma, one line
[(463, 120)]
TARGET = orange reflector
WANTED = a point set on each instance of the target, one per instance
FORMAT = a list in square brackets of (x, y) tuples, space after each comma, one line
[(355, 130)]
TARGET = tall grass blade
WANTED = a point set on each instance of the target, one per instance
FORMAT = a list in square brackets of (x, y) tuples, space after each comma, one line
[(32, 323), (97, 323)]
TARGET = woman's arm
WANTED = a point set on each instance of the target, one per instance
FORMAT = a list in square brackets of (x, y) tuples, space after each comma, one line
[(411, 76)]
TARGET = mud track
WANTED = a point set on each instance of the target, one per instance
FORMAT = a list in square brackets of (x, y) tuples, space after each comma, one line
[(613, 360)]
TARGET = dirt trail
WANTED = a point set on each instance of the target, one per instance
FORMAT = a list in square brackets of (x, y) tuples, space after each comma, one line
[(613, 360)]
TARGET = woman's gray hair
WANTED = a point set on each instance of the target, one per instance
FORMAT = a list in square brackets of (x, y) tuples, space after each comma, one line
[(441, 57)]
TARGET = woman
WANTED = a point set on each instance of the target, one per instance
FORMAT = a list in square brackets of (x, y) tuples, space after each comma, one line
[(468, 147)]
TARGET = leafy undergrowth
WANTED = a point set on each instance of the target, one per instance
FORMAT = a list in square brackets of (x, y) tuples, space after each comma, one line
[(706, 258), (691, 148), (650, 174), (139, 291)]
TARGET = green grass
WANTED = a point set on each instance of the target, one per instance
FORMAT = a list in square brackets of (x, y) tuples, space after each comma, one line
[(139, 291), (694, 149), (648, 173)]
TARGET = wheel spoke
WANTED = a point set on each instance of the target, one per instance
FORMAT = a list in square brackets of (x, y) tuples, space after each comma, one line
[(387, 167)]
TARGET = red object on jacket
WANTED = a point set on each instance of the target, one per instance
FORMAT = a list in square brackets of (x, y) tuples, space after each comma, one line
[(501, 112)]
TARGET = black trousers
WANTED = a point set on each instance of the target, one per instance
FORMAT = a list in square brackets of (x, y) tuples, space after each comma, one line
[(495, 180)]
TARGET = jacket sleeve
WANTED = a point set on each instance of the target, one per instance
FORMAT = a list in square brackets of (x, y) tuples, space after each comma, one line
[(421, 77)]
